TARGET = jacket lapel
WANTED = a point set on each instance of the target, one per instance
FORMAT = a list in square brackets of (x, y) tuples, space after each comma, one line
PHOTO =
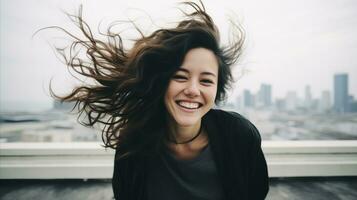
[(218, 142)]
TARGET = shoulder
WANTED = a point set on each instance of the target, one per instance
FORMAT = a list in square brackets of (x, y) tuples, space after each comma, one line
[(234, 125)]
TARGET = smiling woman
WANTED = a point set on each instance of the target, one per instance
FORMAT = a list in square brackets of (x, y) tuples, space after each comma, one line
[(156, 102), (191, 93)]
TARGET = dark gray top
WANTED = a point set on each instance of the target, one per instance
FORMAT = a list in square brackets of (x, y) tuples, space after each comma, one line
[(195, 179), (235, 144)]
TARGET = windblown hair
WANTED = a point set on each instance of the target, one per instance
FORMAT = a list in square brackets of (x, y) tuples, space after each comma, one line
[(128, 94)]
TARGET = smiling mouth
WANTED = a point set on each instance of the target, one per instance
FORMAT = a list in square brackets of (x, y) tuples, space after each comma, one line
[(189, 105)]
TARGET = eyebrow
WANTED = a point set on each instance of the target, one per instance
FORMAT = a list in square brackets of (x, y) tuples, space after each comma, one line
[(204, 73)]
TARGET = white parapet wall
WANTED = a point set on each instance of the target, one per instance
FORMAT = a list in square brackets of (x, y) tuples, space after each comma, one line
[(92, 161), (311, 158)]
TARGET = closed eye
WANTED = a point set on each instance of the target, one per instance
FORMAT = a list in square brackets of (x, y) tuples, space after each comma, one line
[(179, 77), (207, 81)]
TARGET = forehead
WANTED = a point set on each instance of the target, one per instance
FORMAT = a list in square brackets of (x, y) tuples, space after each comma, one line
[(200, 60)]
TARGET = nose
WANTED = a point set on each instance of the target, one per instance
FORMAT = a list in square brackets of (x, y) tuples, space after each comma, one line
[(192, 89)]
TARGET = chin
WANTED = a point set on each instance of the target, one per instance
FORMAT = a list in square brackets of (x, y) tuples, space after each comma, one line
[(187, 122), (187, 119)]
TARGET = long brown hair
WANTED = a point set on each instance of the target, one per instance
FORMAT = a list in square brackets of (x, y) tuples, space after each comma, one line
[(127, 97)]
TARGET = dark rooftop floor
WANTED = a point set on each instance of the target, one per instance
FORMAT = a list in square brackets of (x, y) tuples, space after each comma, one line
[(341, 188)]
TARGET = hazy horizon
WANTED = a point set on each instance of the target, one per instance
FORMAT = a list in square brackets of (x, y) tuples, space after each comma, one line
[(288, 44)]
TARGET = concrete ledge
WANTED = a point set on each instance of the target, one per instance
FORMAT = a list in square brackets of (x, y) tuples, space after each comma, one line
[(311, 158), (92, 161)]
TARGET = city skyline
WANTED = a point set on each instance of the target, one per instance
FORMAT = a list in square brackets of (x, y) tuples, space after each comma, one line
[(288, 44), (268, 98), (337, 100)]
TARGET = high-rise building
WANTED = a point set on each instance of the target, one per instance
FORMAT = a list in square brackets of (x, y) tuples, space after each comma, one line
[(308, 97), (352, 104), (248, 98), (264, 95), (341, 93), (291, 101), (325, 101)]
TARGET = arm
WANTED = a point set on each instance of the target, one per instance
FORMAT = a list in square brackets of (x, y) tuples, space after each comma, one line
[(258, 174), (116, 180), (129, 178), (119, 176)]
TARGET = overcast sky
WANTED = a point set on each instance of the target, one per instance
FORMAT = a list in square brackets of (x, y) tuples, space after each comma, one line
[(289, 44)]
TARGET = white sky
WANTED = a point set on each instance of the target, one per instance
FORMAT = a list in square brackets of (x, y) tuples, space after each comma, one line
[(289, 43)]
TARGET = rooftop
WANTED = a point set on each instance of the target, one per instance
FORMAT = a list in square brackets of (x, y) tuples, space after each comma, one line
[(337, 188), (298, 170)]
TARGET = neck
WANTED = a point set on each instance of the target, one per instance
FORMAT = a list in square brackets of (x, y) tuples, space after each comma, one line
[(184, 133)]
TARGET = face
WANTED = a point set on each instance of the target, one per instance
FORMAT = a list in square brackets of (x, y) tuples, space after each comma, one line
[(193, 88)]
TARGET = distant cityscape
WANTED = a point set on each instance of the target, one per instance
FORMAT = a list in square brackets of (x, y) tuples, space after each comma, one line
[(307, 118), (342, 102), (328, 117)]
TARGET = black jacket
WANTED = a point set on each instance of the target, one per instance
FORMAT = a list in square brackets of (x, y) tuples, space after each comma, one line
[(236, 148)]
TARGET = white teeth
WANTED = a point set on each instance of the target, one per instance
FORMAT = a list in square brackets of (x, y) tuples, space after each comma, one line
[(188, 105)]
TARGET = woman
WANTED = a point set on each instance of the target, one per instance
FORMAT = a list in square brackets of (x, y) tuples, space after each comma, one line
[(156, 102)]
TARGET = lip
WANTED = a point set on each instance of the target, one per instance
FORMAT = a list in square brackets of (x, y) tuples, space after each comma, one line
[(187, 109)]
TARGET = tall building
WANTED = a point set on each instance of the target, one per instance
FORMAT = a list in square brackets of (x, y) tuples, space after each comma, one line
[(248, 99), (265, 95), (341, 93), (325, 101), (308, 97), (352, 104), (291, 101)]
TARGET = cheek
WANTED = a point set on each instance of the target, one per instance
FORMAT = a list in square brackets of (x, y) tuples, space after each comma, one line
[(169, 95), (216, 94), (167, 98), (211, 95)]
